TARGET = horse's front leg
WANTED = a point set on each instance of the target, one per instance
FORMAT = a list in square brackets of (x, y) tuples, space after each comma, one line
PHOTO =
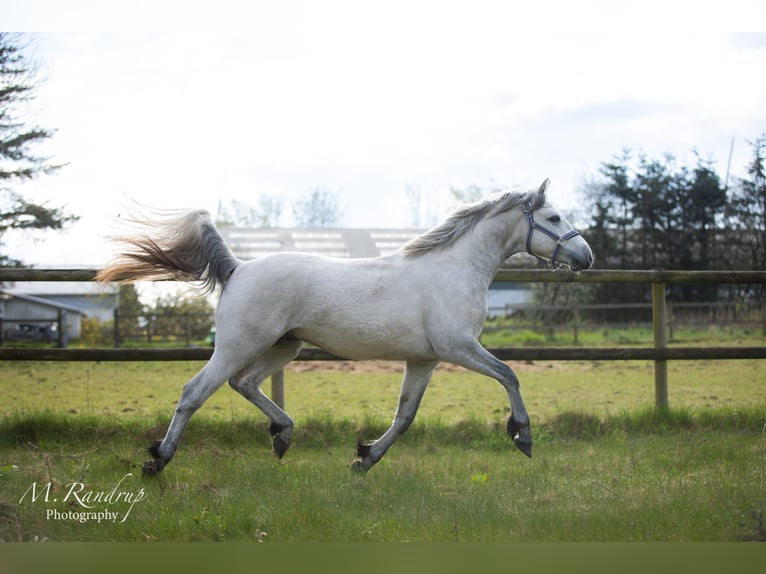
[(474, 357), (414, 383)]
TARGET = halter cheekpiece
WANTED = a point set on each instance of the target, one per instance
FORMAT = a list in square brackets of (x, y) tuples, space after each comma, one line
[(560, 240)]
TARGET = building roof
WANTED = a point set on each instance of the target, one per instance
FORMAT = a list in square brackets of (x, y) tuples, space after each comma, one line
[(59, 288), (44, 302)]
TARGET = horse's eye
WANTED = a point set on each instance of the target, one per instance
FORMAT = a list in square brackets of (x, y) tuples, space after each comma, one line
[(554, 219)]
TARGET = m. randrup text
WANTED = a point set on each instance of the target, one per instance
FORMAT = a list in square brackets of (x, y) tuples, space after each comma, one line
[(78, 495)]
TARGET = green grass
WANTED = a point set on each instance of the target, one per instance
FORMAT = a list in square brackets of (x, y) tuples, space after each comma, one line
[(500, 334), (677, 476), (606, 465), (600, 388)]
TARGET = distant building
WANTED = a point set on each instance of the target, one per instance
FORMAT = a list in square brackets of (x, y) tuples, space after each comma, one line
[(31, 309), (251, 242)]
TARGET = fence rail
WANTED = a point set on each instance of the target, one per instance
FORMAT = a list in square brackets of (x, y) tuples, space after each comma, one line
[(660, 353), (311, 354)]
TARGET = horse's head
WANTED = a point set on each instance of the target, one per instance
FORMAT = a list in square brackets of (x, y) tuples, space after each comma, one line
[(551, 237)]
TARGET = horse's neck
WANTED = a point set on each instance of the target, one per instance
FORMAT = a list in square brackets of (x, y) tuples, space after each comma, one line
[(489, 244)]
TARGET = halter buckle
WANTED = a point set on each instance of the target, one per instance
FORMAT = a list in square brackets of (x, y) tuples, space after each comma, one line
[(526, 207)]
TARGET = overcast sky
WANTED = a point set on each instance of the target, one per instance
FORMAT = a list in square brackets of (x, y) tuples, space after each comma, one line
[(368, 99)]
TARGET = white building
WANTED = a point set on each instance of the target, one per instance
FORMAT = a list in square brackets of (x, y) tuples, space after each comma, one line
[(31, 309)]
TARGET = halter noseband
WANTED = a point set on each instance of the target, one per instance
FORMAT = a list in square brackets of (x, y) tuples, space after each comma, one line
[(559, 239)]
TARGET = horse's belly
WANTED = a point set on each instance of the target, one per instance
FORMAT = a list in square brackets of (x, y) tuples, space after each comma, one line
[(369, 345)]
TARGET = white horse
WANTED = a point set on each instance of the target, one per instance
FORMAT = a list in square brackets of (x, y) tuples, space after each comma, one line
[(421, 305)]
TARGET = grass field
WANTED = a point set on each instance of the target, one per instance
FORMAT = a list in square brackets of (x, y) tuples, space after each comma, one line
[(606, 465)]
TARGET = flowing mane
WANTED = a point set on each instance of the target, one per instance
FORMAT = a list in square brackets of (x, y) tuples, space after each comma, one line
[(465, 219)]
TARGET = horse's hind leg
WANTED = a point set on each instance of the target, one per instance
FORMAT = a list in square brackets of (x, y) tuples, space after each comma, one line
[(414, 383), (248, 384), (199, 388)]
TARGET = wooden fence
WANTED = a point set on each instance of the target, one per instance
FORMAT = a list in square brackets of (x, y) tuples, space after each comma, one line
[(660, 353)]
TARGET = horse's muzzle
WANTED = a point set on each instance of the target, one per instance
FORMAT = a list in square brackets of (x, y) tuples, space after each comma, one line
[(578, 264)]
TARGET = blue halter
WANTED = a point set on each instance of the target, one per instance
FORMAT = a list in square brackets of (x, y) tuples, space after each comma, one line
[(559, 239)]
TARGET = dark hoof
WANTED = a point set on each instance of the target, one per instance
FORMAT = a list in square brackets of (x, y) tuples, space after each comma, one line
[(280, 446), (362, 464), (521, 436), (153, 467), (525, 447)]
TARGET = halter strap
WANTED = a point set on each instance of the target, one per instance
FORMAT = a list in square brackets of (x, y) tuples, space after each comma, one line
[(559, 239)]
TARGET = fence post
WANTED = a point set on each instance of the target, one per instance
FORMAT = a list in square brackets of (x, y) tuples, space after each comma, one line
[(278, 388), (116, 328), (62, 329), (671, 334), (763, 313), (576, 324), (187, 329), (659, 319)]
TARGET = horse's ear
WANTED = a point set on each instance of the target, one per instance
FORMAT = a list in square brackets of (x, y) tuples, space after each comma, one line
[(543, 188)]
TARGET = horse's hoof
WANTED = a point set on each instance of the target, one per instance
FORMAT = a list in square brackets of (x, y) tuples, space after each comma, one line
[(521, 436), (359, 467), (153, 467), (280, 446), (523, 446)]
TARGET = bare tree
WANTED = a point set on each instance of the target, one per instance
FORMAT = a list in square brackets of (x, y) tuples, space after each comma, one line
[(265, 213), (319, 208)]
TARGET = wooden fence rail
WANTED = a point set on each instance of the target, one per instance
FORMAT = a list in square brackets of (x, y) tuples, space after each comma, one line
[(311, 354), (660, 353)]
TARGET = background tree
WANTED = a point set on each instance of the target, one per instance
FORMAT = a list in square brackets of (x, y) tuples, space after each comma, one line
[(469, 194), (266, 212), (18, 164), (130, 313), (424, 208), (654, 213), (180, 316), (746, 211), (319, 208)]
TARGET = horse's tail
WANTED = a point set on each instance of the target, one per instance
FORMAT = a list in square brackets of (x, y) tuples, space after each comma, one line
[(185, 246)]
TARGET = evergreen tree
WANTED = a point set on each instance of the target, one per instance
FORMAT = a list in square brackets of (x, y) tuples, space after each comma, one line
[(746, 213), (18, 164)]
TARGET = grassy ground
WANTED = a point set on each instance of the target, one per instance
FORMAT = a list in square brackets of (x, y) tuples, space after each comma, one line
[(687, 479), (606, 465), (351, 390)]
